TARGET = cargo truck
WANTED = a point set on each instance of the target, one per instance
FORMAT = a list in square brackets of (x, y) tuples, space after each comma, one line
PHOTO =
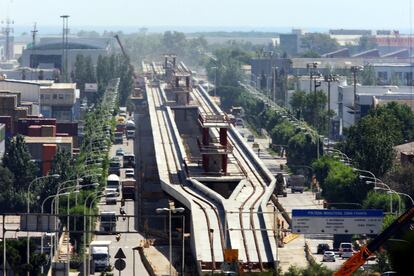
[(129, 160), (99, 251), (128, 188), (280, 188), (297, 183)]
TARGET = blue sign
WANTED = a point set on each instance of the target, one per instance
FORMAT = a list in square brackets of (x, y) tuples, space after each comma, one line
[(349, 221), (337, 213)]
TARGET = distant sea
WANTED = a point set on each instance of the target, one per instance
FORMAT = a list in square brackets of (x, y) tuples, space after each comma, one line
[(46, 30), (50, 30)]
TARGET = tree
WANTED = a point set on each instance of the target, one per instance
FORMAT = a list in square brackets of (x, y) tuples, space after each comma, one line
[(405, 117), (8, 197), (368, 76), (319, 43), (312, 106), (370, 142), (298, 103), (18, 160), (401, 178), (339, 183), (62, 165), (382, 200)]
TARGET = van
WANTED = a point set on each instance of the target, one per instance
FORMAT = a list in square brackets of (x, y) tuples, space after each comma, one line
[(113, 182), (343, 246)]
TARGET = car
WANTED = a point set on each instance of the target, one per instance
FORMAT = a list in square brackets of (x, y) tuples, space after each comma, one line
[(322, 247), (347, 253), (120, 152), (129, 173), (344, 245), (111, 195), (250, 138), (239, 122), (328, 256)]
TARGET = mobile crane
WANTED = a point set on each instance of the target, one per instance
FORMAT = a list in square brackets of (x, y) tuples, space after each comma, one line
[(358, 259), (125, 55)]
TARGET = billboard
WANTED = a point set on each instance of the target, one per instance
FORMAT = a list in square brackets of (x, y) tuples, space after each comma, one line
[(346, 221)]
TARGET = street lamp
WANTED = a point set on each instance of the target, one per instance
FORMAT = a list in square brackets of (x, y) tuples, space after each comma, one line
[(355, 70), (42, 211), (86, 233), (365, 171), (330, 78), (28, 211), (170, 210), (390, 192)]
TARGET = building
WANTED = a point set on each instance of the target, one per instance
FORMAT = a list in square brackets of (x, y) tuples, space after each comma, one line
[(2, 141), (29, 92), (368, 97), (58, 100), (44, 149), (290, 43), (48, 52), (405, 153), (25, 73)]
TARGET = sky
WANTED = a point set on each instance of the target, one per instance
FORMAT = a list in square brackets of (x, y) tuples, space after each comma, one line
[(216, 14)]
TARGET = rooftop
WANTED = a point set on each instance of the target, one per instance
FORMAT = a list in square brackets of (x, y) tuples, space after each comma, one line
[(48, 140)]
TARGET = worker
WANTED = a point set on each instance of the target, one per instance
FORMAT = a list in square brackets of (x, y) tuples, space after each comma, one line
[(118, 237)]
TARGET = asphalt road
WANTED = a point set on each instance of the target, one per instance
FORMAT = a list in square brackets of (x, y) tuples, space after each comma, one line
[(130, 240)]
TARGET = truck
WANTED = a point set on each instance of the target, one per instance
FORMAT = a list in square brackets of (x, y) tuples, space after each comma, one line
[(108, 222), (128, 188), (280, 188), (99, 252), (129, 160), (119, 137), (115, 166), (297, 183), (130, 129)]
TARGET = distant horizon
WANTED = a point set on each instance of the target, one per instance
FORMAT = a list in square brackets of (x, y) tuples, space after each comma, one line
[(196, 15), (56, 29)]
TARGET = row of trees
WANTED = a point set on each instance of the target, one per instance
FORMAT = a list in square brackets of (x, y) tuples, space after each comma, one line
[(311, 107), (107, 68), (371, 141)]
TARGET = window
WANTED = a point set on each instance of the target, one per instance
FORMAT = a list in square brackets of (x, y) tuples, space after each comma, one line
[(42, 96), (47, 97), (54, 96), (61, 96)]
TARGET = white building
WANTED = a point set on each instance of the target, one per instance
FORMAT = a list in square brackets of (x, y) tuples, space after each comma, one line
[(29, 92)]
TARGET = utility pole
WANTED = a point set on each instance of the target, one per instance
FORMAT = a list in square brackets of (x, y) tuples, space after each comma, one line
[(8, 30), (65, 20), (355, 70), (330, 78)]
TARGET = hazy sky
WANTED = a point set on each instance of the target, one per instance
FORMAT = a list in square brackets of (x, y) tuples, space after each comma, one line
[(371, 14)]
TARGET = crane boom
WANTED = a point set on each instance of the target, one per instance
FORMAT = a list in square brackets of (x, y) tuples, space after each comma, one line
[(125, 55), (358, 259)]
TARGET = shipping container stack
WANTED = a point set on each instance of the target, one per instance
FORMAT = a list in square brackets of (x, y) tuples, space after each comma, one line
[(48, 154)]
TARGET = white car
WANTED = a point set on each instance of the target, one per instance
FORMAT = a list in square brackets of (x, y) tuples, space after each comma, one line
[(347, 253), (110, 195), (250, 138), (129, 173), (328, 256)]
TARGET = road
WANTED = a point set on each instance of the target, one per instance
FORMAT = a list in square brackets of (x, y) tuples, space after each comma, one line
[(130, 240), (305, 200)]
